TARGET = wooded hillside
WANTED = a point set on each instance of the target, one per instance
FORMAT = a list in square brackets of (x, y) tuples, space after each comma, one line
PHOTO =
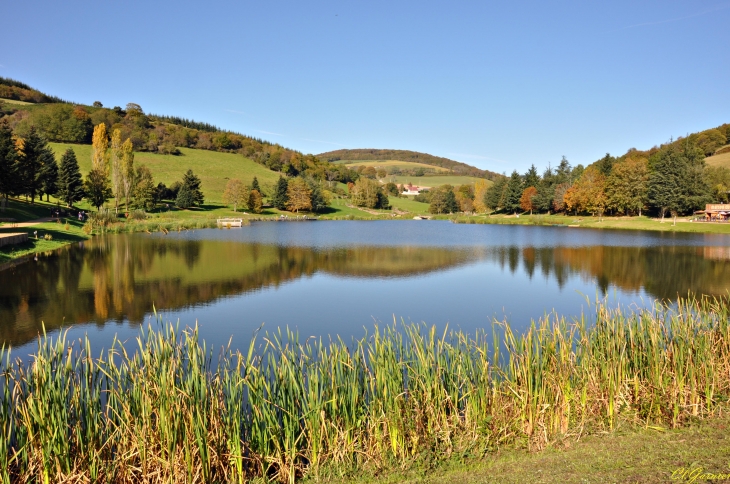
[(456, 167)]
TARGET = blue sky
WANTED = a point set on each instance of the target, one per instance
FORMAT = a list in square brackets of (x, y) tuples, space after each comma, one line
[(499, 85)]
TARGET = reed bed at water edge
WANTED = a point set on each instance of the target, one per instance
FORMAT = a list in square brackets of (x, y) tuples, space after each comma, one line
[(169, 408)]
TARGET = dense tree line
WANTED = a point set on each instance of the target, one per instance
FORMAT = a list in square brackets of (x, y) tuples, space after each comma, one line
[(670, 179), (404, 155)]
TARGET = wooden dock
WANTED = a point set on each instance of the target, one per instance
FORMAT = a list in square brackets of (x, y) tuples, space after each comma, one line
[(230, 222), (15, 238)]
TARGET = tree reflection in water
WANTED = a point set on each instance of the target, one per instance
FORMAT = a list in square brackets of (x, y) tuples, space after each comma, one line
[(120, 278)]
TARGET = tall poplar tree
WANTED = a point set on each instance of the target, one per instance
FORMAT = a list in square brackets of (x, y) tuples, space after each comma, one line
[(117, 173), (97, 186), (8, 155), (70, 183), (128, 175)]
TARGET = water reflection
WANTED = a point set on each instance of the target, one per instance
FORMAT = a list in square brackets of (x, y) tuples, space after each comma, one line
[(120, 278)]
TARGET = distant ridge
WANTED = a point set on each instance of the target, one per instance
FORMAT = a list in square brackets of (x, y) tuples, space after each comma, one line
[(456, 167)]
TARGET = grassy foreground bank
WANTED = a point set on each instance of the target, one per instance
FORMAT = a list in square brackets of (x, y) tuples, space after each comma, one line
[(624, 223), (169, 409)]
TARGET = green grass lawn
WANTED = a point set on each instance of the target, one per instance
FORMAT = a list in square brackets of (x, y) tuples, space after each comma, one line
[(646, 456), (433, 181), (409, 205), (213, 168)]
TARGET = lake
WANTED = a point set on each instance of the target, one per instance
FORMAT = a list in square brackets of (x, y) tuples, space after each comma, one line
[(340, 278)]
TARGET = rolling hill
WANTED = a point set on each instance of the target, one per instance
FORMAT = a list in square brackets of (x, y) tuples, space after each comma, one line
[(213, 168), (373, 155)]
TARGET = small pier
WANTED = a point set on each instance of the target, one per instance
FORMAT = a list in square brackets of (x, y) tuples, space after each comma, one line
[(230, 222), (10, 239)]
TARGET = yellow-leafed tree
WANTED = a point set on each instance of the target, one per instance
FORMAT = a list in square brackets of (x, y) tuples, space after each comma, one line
[(300, 196), (128, 178), (480, 189), (116, 167), (99, 146), (235, 193)]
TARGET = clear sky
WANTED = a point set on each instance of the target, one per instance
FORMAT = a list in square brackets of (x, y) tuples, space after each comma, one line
[(499, 85)]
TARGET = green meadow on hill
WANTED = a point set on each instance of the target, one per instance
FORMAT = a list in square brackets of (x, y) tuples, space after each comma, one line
[(213, 167)]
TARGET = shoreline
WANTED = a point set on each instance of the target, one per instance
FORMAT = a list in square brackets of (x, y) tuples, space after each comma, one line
[(70, 231)]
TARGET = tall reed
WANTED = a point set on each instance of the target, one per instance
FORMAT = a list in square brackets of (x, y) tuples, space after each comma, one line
[(167, 409)]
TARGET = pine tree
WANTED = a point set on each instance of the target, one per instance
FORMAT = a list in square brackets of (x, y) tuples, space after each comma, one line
[(30, 163), (185, 197), (70, 184), (8, 155), (48, 174), (494, 194), (255, 185), (192, 183), (513, 193), (280, 194), (532, 179)]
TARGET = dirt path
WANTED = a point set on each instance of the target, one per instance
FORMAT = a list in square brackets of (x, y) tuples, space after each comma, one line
[(30, 223)]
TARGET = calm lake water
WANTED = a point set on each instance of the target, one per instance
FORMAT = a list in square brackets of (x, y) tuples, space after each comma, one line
[(340, 278)]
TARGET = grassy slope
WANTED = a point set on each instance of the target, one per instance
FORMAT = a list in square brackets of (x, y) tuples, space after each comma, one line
[(13, 101), (211, 166), (719, 160), (390, 163), (434, 181), (647, 456)]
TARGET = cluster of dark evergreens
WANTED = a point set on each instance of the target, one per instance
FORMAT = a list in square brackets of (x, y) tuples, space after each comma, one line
[(455, 167), (672, 178), (28, 168)]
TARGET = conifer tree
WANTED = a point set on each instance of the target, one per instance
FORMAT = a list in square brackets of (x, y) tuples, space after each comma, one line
[(29, 164), (513, 193), (70, 184), (255, 184), (192, 183), (8, 155), (280, 194), (532, 179), (48, 174)]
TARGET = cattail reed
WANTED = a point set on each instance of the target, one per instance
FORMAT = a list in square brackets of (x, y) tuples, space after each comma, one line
[(171, 409)]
